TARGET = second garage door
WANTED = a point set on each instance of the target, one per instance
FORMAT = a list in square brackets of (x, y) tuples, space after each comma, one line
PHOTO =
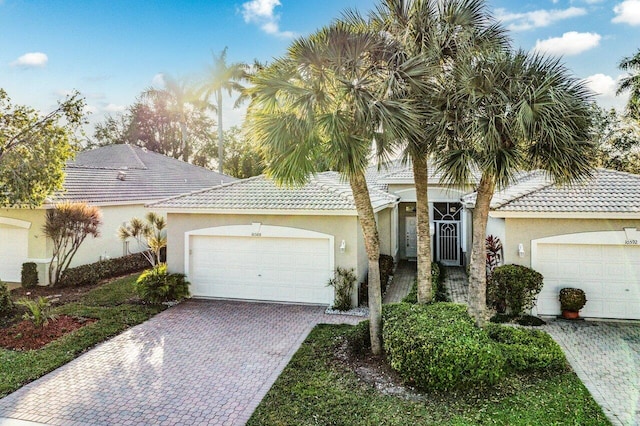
[(260, 268), (13, 252), (608, 274)]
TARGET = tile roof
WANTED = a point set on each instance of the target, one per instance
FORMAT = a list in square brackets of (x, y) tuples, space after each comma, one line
[(608, 191), (401, 172), (324, 191), (127, 173)]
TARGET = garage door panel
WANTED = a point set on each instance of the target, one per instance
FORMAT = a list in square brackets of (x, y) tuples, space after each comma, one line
[(14, 248), (607, 273), (276, 269)]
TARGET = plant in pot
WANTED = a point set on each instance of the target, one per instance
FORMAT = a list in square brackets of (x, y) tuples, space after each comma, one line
[(571, 301)]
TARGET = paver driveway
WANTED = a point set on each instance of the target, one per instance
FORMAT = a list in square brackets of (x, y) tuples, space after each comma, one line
[(201, 362), (606, 357)]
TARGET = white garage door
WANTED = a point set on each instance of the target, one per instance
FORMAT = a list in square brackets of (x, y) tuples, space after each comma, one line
[(261, 268), (608, 274), (13, 252)]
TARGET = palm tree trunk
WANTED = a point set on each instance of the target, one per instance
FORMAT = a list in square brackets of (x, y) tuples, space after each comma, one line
[(220, 133), (185, 147), (372, 245), (478, 274), (421, 179)]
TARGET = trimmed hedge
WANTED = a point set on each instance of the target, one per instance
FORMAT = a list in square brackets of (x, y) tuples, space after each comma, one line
[(29, 275), (527, 350), (110, 268), (436, 346), (514, 287)]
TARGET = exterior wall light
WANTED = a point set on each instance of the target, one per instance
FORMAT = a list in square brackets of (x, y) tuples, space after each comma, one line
[(343, 246), (521, 250)]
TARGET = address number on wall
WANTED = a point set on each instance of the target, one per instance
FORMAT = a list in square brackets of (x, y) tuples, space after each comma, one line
[(631, 242)]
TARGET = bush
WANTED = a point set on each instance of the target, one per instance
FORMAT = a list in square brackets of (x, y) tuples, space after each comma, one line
[(527, 350), (29, 275), (110, 268), (572, 299), (343, 282), (437, 286), (38, 311), (514, 286), (156, 285), (437, 346), (6, 305)]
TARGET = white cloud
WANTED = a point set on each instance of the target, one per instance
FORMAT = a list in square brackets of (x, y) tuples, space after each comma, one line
[(536, 18), (260, 12), (114, 108), (627, 12), (571, 43), (604, 87), (31, 60)]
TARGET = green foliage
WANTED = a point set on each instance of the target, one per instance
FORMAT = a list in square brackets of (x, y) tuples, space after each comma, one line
[(515, 286), (342, 283), (34, 149), (631, 83), (572, 299), (156, 285), (315, 389), (438, 288), (6, 304), (150, 235), (386, 270), (29, 275), (106, 304), (242, 158), (92, 273), (527, 350), (437, 346), (38, 311), (617, 139), (67, 226)]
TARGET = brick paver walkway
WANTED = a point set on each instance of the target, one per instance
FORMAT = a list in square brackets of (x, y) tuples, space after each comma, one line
[(201, 362), (457, 284), (606, 357), (401, 283)]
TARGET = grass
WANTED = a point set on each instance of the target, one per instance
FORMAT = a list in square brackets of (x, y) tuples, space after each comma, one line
[(107, 303), (316, 389)]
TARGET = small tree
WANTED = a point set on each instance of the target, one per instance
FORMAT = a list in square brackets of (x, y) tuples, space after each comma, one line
[(67, 225), (150, 235)]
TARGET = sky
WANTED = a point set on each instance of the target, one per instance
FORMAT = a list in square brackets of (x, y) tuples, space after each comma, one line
[(111, 51)]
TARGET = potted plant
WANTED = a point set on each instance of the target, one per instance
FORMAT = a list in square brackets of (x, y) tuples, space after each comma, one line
[(571, 301)]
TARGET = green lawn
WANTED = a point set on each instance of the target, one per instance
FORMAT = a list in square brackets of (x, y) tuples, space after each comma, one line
[(107, 303), (315, 389)]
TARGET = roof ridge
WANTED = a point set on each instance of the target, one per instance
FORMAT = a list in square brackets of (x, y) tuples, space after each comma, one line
[(200, 191), (137, 157), (331, 186), (531, 174)]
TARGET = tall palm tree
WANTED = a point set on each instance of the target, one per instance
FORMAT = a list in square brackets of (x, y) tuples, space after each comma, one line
[(442, 34), (329, 98), (631, 83), (222, 77), (180, 95), (516, 112)]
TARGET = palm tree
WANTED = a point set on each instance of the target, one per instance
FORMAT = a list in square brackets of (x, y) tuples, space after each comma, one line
[(329, 98), (442, 34), (515, 112), (180, 95), (631, 83), (222, 77)]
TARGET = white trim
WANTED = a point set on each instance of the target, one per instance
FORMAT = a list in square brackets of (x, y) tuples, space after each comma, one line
[(563, 215), (15, 222), (266, 231), (456, 194), (40, 260)]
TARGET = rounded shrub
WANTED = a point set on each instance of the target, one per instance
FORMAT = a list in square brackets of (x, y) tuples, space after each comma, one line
[(29, 275), (437, 346), (527, 350), (572, 299), (515, 286), (157, 285)]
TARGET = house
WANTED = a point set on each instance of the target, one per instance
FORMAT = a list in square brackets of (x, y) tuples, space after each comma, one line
[(251, 239), (120, 179)]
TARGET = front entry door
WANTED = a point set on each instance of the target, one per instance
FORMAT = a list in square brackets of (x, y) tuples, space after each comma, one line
[(411, 239)]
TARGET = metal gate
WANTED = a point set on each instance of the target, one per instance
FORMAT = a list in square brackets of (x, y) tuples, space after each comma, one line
[(447, 219)]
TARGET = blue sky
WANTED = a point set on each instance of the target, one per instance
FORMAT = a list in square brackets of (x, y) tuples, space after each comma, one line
[(111, 51)]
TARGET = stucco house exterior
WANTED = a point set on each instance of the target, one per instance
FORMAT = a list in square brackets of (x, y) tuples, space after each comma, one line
[(120, 179), (251, 239)]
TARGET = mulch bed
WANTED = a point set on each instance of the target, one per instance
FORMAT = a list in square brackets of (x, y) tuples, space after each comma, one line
[(57, 295), (25, 336)]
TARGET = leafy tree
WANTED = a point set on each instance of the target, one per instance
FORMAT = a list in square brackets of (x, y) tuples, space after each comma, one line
[(222, 77), (441, 34), (34, 149), (617, 139), (150, 235), (68, 225), (242, 157), (514, 111), (631, 83), (330, 97)]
